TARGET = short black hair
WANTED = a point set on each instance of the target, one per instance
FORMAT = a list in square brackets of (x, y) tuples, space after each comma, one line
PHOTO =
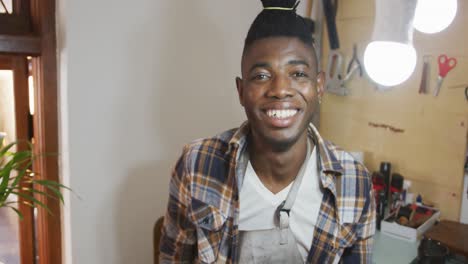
[(279, 19)]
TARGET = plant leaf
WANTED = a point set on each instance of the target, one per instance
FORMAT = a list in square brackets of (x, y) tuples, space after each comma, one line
[(7, 148), (19, 188), (51, 183), (17, 180), (32, 199), (56, 191), (16, 211)]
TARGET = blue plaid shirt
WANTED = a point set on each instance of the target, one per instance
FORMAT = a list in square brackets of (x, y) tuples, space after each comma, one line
[(201, 222)]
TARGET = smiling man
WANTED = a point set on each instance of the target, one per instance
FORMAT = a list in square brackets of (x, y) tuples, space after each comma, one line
[(271, 191)]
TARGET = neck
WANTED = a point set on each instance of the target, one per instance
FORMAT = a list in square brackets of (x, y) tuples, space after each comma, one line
[(277, 169)]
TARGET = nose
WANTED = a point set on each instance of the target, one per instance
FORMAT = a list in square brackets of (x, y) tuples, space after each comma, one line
[(280, 88)]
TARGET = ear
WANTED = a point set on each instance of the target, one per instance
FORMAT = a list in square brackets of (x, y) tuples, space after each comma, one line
[(240, 89), (320, 83)]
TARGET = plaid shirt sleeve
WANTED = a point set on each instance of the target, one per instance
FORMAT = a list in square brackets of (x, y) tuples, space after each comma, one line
[(361, 251), (178, 240)]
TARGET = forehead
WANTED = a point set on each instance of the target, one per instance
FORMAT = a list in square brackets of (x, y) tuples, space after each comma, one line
[(276, 48)]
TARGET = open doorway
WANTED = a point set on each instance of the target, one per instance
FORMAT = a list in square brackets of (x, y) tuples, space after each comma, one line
[(9, 225), (17, 245)]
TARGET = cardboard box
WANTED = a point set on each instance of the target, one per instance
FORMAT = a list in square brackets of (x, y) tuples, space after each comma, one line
[(398, 231)]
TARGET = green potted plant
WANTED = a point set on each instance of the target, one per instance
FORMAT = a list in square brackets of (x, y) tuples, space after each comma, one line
[(17, 178)]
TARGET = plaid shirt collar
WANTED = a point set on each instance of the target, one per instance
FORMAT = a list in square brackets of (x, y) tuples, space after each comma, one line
[(328, 162)]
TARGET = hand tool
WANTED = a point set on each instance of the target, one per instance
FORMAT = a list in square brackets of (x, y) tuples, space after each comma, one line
[(335, 58), (354, 63), (334, 83), (353, 66), (425, 75), (466, 93), (446, 64), (317, 17)]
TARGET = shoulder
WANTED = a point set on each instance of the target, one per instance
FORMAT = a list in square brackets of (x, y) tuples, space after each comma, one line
[(352, 168), (353, 186), (207, 156), (204, 167), (217, 145)]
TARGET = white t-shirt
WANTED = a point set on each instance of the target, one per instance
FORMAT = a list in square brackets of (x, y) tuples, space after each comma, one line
[(258, 205)]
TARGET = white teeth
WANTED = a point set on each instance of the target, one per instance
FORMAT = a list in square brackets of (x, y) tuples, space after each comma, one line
[(281, 113)]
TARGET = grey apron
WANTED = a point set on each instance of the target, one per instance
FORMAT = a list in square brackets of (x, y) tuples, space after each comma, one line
[(276, 245)]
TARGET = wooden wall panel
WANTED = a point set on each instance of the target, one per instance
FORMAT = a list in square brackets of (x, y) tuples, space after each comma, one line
[(431, 150)]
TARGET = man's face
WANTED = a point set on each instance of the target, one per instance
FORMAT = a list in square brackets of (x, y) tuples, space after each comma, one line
[(279, 89)]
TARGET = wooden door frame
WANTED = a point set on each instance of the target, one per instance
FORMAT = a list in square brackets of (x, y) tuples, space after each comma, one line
[(41, 44), (46, 128)]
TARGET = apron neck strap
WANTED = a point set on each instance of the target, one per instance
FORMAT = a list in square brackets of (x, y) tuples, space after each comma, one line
[(291, 198), (282, 212)]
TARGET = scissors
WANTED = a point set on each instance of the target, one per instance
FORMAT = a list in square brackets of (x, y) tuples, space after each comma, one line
[(446, 64)]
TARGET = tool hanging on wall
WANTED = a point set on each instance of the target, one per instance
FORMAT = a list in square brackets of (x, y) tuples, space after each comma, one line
[(317, 17), (335, 58), (425, 75), (354, 63), (316, 14), (446, 64), (353, 66)]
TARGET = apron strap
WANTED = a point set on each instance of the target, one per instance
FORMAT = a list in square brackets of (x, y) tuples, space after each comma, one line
[(283, 210)]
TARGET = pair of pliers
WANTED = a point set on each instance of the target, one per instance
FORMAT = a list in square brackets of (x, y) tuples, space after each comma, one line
[(355, 60)]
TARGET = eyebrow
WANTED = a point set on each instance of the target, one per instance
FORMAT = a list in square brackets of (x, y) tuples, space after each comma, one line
[(260, 65), (298, 62), (267, 65)]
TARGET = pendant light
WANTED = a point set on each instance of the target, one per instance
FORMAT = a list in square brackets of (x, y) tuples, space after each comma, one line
[(433, 16), (390, 58)]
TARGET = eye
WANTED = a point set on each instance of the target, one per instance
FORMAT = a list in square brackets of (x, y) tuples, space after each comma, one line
[(300, 74), (260, 77)]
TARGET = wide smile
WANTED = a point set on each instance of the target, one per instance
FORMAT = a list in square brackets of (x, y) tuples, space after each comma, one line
[(281, 113), (281, 118)]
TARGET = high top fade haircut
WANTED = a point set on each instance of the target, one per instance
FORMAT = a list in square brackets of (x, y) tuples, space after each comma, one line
[(279, 19)]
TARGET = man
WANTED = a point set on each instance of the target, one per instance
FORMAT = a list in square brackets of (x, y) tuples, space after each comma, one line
[(271, 191)]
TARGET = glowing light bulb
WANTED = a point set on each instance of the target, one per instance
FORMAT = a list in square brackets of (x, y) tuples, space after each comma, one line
[(390, 58), (389, 63), (433, 16)]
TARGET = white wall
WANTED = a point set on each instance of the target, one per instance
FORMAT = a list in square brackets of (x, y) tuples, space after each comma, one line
[(7, 106), (138, 79)]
